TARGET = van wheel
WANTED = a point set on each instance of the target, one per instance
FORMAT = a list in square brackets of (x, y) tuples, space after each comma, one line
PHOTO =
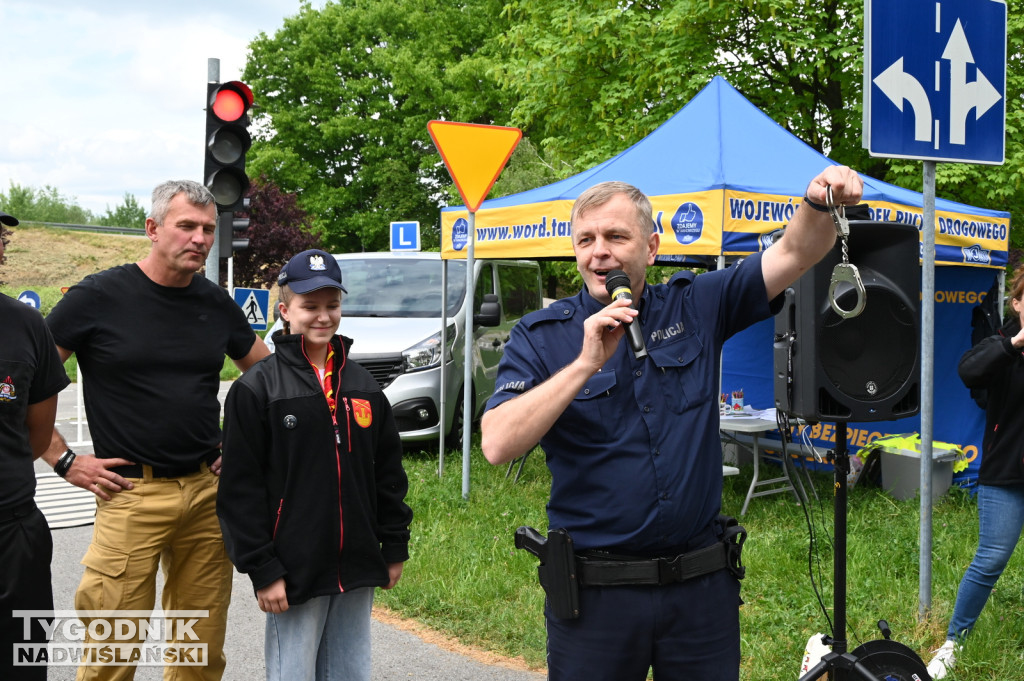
[(453, 440)]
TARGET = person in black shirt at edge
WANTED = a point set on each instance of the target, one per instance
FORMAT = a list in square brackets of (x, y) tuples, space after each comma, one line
[(31, 376), (996, 363)]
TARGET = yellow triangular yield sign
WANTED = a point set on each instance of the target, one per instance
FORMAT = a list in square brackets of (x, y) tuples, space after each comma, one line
[(474, 155)]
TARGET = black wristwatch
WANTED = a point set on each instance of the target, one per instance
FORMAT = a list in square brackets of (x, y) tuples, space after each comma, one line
[(63, 464)]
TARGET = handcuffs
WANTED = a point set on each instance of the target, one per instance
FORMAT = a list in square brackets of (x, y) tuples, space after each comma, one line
[(844, 272)]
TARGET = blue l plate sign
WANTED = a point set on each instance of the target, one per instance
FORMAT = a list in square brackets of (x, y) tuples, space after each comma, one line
[(935, 80), (405, 236)]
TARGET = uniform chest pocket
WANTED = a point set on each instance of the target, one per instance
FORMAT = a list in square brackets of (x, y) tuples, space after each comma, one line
[(594, 411), (686, 372)]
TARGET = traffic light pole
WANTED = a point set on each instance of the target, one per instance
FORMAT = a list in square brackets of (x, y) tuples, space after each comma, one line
[(213, 257), (227, 139)]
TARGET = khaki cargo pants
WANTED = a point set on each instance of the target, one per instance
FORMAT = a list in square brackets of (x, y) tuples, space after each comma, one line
[(168, 522)]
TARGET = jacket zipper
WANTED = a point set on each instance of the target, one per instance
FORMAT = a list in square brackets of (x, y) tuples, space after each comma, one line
[(337, 458)]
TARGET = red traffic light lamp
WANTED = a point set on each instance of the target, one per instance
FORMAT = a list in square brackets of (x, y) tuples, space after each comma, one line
[(227, 141)]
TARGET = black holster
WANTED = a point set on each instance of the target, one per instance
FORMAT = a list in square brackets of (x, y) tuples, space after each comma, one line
[(733, 536), (557, 569)]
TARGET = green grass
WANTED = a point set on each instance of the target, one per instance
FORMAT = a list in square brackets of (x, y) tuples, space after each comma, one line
[(465, 578)]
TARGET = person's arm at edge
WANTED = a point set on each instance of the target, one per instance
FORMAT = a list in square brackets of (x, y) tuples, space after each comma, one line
[(394, 516), (811, 233), (39, 420), (258, 351), (248, 540), (515, 427), (88, 472)]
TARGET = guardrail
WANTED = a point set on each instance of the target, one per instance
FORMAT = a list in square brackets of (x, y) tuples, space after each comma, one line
[(103, 229)]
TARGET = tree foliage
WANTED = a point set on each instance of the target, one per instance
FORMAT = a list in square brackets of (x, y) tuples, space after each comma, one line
[(48, 204), (593, 78), (344, 94), (278, 229), (128, 213), (44, 205)]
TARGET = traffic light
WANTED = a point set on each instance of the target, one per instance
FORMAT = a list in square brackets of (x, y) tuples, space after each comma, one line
[(230, 227), (227, 139)]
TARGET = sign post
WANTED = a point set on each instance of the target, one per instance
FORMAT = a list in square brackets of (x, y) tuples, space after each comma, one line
[(934, 90), (475, 155)]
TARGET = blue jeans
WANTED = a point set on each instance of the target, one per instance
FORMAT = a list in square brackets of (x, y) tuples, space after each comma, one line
[(1000, 518), (327, 638)]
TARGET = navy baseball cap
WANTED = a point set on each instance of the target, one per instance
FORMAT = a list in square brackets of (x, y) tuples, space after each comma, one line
[(311, 270), (8, 220)]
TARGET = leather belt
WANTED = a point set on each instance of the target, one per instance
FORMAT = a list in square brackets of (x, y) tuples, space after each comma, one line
[(138, 470), (652, 571)]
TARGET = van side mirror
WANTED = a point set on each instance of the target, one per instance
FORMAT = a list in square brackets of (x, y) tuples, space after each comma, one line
[(490, 311)]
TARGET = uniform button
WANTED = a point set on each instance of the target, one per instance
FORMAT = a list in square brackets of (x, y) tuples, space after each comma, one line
[(657, 452), (647, 410), (565, 312), (639, 373), (586, 391)]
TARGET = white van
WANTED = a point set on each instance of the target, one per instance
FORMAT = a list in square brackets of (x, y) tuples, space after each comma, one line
[(392, 312)]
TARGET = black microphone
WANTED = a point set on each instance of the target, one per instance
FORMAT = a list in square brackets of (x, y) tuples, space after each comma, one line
[(617, 283)]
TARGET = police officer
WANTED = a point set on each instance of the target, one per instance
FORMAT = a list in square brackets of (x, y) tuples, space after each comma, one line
[(632, 441), (31, 376)]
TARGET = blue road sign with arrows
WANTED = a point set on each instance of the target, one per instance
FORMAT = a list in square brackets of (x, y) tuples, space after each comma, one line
[(935, 79)]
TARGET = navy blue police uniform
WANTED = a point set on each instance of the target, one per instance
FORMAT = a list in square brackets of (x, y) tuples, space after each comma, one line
[(635, 462)]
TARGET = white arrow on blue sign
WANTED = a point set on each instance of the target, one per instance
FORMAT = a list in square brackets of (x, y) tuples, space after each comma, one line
[(30, 298), (935, 80)]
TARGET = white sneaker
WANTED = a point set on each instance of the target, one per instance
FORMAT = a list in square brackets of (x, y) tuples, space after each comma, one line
[(943, 661)]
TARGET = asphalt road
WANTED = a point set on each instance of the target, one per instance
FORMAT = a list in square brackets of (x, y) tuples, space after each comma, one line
[(397, 654)]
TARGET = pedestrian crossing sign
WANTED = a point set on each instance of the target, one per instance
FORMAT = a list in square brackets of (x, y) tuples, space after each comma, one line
[(255, 303)]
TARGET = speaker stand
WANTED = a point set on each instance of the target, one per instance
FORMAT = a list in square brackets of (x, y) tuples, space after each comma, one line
[(883, 659)]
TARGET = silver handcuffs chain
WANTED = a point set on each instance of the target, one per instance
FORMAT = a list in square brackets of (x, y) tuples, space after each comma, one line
[(844, 272)]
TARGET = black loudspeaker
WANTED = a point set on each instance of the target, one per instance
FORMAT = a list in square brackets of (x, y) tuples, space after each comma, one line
[(863, 368)]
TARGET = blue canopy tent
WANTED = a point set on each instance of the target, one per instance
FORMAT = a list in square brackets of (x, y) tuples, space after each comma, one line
[(722, 177)]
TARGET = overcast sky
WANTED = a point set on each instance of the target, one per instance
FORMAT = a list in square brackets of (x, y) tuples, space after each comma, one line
[(103, 97)]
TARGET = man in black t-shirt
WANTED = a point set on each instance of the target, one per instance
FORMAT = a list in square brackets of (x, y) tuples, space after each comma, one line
[(150, 339), (31, 376)]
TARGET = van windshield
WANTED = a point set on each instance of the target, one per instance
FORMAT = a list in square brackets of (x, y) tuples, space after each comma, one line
[(400, 287)]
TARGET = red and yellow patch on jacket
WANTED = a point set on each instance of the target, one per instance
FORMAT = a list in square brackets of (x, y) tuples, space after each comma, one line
[(362, 412)]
